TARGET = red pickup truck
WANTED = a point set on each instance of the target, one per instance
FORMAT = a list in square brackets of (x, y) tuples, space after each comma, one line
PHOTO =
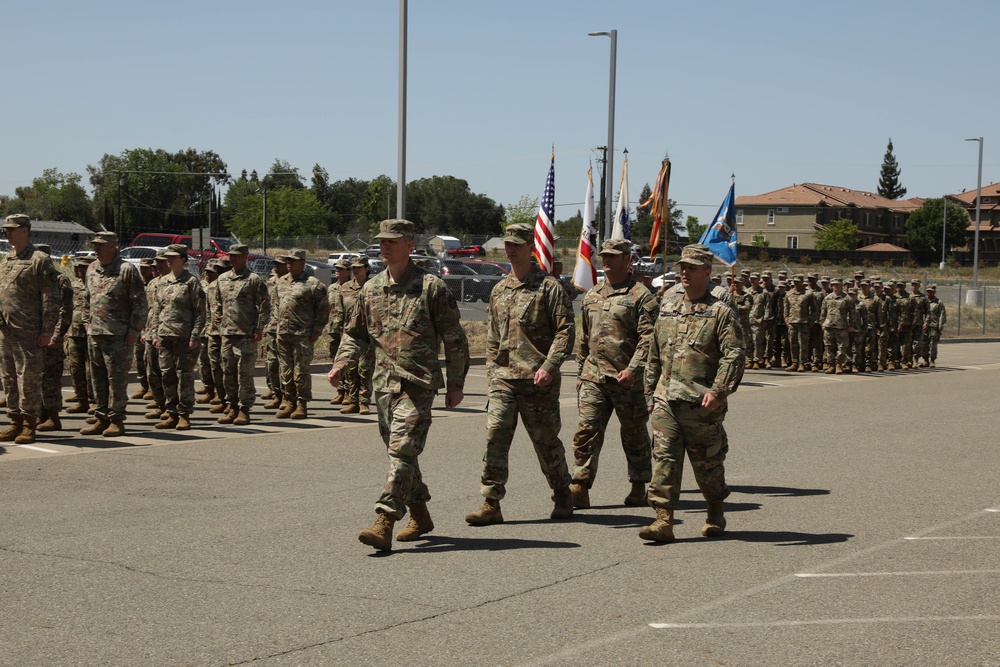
[(219, 245), (468, 251)]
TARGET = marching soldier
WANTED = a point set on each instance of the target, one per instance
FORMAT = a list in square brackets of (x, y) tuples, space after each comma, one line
[(147, 271), (873, 308), (760, 318), (158, 405), (857, 337), (904, 326), (357, 378), (342, 267), (933, 325), (211, 274), (271, 367), (76, 342), (55, 353)]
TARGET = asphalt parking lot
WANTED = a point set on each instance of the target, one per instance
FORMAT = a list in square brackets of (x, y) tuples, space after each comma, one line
[(863, 530)]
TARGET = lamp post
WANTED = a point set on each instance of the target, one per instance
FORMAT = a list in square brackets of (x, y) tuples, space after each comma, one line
[(609, 183), (974, 293), (401, 158), (944, 229)]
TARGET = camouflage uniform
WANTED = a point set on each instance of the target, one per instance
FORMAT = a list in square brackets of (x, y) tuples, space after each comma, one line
[(530, 327), (888, 344), (873, 306), (117, 309), (139, 354), (204, 358), (302, 312), (244, 309), (935, 321), (798, 308), (55, 354), (760, 318), (860, 333), (406, 322), (29, 308), (76, 346), (696, 347), (153, 374), (743, 303), (180, 316), (357, 377), (815, 330), (904, 327), (616, 327), (919, 317), (837, 317), (271, 367)]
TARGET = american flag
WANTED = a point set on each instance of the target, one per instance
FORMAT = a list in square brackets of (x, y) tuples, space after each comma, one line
[(544, 230)]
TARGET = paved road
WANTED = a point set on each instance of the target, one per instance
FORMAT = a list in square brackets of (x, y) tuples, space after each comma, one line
[(863, 530)]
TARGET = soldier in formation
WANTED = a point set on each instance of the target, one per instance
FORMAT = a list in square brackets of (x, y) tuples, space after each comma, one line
[(272, 373), (342, 270), (358, 377), (76, 342)]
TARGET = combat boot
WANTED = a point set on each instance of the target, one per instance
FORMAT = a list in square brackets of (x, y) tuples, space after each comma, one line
[(350, 409), (27, 434), (830, 370), (242, 417), (715, 523), (581, 496), (300, 411), (207, 398), (14, 430), (229, 416), (922, 364), (152, 404), (115, 429), (275, 402), (661, 530), (148, 395), (97, 428), (138, 394), (756, 366), (818, 368), (217, 400), (637, 496), (339, 399), (53, 423), (839, 370), (804, 368), (286, 410), (183, 423), (218, 408), (267, 395), (563, 508), (78, 409), (930, 364), (794, 368), (204, 389), (488, 514), (419, 524), (3, 401), (156, 412), (169, 420), (363, 409), (380, 534)]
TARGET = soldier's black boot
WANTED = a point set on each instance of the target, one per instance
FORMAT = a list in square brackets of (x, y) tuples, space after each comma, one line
[(661, 530), (419, 524)]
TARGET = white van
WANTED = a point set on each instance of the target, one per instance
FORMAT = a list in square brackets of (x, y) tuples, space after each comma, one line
[(335, 257)]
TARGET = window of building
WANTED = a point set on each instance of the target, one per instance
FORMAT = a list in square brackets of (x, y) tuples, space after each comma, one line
[(770, 216), (987, 200), (739, 216), (791, 242)]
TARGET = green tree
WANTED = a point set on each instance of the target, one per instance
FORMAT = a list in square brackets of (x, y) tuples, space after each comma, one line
[(445, 204), (759, 241), (283, 175), (923, 227), (290, 212), (570, 227), (888, 180), (694, 229), (52, 196), (837, 235), (372, 205), (642, 226), (524, 211)]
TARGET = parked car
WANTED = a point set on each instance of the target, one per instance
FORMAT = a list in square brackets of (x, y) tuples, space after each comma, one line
[(492, 272), (133, 254), (658, 280), (467, 251), (374, 250), (335, 257), (220, 245), (457, 276)]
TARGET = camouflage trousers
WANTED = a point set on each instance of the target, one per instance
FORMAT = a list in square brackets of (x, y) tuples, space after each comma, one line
[(358, 378), (684, 426), (887, 347), (295, 354), (403, 422), (871, 348), (596, 401), (55, 362), (139, 355), (798, 343), (271, 368), (334, 345), (782, 351), (816, 344), (216, 369), (110, 358), (22, 364), (836, 342), (857, 358), (929, 344), (905, 354), (153, 374), (239, 360), (538, 407), (79, 368), (205, 364), (177, 362), (758, 345)]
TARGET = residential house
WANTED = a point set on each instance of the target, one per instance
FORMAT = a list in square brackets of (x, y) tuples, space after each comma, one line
[(790, 217), (989, 215)]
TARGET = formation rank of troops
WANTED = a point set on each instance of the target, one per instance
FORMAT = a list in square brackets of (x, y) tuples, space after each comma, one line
[(668, 358)]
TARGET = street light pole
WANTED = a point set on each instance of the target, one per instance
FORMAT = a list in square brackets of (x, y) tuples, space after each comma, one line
[(609, 184), (401, 159), (979, 199), (944, 229)]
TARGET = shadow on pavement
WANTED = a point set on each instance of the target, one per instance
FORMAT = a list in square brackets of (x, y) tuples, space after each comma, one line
[(444, 543), (777, 491), (785, 538), (700, 506)]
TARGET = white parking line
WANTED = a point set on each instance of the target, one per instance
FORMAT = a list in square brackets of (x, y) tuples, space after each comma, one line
[(38, 449), (826, 621), (812, 575)]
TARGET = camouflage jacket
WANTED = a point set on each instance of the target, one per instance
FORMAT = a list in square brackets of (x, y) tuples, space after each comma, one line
[(718, 291), (889, 313), (743, 303), (272, 291), (29, 294), (212, 313), (77, 328), (861, 315), (837, 312), (799, 306), (617, 326), (149, 332), (530, 325), (65, 306), (697, 347), (349, 293), (761, 310), (303, 307), (407, 322), (904, 311), (338, 318), (243, 304), (180, 307), (818, 296), (936, 314), (920, 305), (872, 304), (116, 298)]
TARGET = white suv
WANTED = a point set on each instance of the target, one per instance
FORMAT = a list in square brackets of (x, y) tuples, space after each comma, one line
[(335, 257)]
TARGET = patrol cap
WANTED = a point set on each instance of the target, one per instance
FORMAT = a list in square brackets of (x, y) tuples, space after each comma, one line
[(212, 267), (84, 260), (296, 253), (866, 282), (17, 220), (932, 288), (826, 279), (745, 272), (797, 278), (359, 262), (877, 283), (859, 274), (105, 237), (282, 258), (915, 281), (738, 279), (519, 233), (616, 247), (176, 250), (149, 261), (782, 274), (835, 281), (765, 274), (238, 249), (812, 276), (340, 264), (696, 254), (44, 247), (900, 283), (395, 229), (223, 263), (852, 290), (755, 275)]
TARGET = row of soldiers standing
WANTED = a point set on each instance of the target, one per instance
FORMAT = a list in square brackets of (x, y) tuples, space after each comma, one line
[(804, 323)]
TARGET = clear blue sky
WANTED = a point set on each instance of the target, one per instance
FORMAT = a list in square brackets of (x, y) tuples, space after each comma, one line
[(777, 92)]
